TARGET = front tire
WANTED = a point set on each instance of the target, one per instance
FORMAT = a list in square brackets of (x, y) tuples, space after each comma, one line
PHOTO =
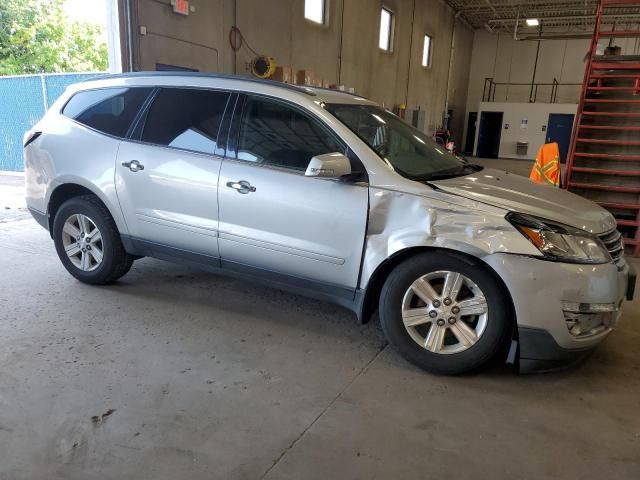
[(446, 313), (88, 242)]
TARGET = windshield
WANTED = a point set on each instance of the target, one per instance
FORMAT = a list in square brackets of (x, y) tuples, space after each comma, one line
[(407, 150)]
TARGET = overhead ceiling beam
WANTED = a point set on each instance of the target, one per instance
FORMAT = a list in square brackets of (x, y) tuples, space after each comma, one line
[(501, 14), (493, 9), (572, 17), (493, 5)]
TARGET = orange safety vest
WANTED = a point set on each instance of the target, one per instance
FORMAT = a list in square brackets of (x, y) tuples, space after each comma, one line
[(547, 166)]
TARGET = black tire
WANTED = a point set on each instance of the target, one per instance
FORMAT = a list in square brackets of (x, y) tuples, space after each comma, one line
[(499, 318), (115, 261)]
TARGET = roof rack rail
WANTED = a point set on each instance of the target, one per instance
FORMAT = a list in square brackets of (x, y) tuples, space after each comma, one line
[(333, 90), (298, 88)]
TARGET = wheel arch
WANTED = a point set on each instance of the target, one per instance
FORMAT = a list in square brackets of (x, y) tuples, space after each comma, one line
[(369, 298), (64, 191)]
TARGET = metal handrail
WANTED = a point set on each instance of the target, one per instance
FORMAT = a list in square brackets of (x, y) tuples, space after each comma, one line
[(489, 91)]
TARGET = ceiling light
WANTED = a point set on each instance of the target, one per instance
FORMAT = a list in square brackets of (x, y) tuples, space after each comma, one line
[(532, 22)]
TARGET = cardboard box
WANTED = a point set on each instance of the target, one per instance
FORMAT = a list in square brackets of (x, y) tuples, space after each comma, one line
[(283, 74), (305, 77)]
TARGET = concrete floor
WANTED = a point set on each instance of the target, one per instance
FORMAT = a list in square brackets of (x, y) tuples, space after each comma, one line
[(177, 373)]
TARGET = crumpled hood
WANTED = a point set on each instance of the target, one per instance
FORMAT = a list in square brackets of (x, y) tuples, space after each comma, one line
[(519, 194)]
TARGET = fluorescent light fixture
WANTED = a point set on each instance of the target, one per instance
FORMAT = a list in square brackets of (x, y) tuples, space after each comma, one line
[(533, 22)]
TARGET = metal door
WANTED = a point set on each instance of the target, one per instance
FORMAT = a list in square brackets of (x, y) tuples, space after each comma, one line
[(559, 130), (274, 218), (167, 182)]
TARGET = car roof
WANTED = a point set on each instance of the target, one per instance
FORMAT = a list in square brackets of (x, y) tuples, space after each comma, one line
[(234, 82)]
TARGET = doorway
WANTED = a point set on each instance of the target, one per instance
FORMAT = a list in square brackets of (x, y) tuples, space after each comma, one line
[(489, 134), (471, 132), (559, 128)]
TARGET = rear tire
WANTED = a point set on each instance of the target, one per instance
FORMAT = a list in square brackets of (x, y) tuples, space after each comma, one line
[(88, 242), (446, 313)]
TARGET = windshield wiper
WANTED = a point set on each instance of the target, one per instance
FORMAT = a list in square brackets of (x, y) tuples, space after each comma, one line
[(451, 173)]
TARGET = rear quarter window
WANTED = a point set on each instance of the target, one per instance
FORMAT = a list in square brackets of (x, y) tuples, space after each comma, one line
[(108, 110)]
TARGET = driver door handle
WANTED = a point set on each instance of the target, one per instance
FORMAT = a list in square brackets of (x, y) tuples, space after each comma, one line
[(133, 165), (241, 186)]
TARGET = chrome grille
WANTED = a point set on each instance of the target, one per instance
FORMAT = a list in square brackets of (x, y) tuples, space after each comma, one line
[(614, 243)]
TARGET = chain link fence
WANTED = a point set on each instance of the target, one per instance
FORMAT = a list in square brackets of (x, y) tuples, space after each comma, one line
[(23, 101)]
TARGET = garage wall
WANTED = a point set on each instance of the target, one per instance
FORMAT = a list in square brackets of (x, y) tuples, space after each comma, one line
[(513, 131), (507, 60), (460, 78), (163, 37), (344, 52), (499, 56)]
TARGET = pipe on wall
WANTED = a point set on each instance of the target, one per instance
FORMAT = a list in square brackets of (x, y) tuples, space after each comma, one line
[(341, 41), (535, 68), (235, 25), (413, 21), (445, 114)]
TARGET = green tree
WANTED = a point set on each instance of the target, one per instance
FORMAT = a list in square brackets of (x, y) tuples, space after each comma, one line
[(36, 37)]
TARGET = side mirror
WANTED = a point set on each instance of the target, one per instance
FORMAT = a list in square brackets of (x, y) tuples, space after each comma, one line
[(328, 165)]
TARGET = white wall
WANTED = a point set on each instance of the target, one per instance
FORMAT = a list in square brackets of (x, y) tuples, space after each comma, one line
[(537, 116), (509, 61)]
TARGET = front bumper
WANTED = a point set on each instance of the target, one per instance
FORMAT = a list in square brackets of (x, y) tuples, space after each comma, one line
[(541, 291), (539, 352)]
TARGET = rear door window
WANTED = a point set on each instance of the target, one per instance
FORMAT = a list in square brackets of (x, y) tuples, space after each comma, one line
[(186, 118), (108, 110)]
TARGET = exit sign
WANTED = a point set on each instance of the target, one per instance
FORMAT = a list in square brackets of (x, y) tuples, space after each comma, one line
[(181, 6)]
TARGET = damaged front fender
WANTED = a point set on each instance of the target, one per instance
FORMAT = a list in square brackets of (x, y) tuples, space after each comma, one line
[(399, 221)]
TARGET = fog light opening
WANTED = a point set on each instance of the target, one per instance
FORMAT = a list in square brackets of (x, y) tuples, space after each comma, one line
[(585, 320)]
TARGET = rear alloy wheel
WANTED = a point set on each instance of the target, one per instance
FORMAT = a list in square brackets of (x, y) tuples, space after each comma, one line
[(446, 313), (88, 242), (82, 242)]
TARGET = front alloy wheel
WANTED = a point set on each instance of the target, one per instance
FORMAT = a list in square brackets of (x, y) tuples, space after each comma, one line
[(446, 312)]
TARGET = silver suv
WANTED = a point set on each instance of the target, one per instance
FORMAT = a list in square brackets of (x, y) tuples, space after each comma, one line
[(325, 193)]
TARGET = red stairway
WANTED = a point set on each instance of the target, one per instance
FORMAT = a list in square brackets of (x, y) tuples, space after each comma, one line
[(603, 163)]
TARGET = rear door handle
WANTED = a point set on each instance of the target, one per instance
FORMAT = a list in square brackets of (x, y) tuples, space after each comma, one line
[(133, 165), (241, 186)]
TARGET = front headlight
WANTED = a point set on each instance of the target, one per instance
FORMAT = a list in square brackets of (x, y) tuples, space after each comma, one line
[(560, 242)]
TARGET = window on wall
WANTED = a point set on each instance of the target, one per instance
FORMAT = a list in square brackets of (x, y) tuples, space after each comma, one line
[(426, 51), (386, 29), (314, 10)]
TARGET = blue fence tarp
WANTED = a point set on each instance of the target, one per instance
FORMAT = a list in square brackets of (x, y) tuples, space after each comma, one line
[(23, 101)]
